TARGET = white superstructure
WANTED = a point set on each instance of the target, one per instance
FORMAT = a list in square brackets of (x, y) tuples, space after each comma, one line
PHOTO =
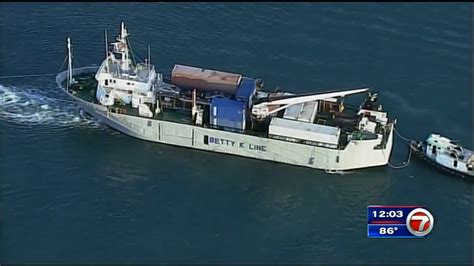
[(120, 79)]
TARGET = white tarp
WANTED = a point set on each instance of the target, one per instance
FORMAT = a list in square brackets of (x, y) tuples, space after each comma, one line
[(302, 112), (293, 111), (305, 131), (308, 113)]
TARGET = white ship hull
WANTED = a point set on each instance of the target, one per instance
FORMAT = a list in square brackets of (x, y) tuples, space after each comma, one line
[(354, 156)]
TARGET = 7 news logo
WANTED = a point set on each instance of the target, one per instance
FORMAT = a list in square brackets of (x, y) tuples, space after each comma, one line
[(420, 222)]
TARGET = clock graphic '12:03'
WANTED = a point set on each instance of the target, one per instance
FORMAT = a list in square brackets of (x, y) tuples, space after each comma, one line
[(398, 221)]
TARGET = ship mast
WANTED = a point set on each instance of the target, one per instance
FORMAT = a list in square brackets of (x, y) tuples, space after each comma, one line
[(124, 47), (106, 51), (106, 48), (70, 79), (149, 58)]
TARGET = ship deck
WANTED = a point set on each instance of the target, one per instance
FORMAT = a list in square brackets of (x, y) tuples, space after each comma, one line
[(86, 84), (85, 89)]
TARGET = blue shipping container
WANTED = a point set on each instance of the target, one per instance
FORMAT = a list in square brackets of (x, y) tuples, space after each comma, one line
[(228, 113), (246, 90)]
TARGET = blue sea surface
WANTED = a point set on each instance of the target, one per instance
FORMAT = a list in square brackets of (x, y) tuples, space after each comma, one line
[(72, 190)]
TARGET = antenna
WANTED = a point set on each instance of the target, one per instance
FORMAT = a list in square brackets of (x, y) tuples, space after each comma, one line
[(194, 109), (106, 45), (69, 56), (149, 58), (106, 50)]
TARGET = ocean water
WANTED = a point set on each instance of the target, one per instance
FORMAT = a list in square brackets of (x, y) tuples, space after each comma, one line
[(75, 191)]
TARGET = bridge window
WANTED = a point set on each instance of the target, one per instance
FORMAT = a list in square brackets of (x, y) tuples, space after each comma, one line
[(455, 163), (106, 82)]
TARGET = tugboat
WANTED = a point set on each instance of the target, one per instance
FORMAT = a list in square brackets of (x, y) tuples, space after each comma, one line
[(229, 113), (445, 154)]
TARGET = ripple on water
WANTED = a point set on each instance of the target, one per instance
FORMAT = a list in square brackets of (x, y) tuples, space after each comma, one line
[(28, 106)]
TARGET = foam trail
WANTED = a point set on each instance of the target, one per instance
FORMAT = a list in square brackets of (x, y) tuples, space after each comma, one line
[(30, 106)]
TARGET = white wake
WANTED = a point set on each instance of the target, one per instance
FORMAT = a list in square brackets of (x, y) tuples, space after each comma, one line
[(31, 106)]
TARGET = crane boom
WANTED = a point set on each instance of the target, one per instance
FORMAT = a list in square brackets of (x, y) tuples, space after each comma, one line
[(261, 110)]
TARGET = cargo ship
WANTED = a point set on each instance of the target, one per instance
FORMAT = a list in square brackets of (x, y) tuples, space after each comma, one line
[(229, 113)]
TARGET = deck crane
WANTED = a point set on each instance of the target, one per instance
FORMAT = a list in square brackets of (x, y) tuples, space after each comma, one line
[(262, 110)]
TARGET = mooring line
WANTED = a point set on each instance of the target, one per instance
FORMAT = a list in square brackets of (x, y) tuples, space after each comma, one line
[(404, 164), (26, 76), (398, 134), (407, 162)]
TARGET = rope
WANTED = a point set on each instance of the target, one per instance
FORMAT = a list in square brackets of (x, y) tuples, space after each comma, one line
[(35, 75), (407, 162), (64, 62), (404, 164), (132, 53), (398, 134), (25, 76)]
